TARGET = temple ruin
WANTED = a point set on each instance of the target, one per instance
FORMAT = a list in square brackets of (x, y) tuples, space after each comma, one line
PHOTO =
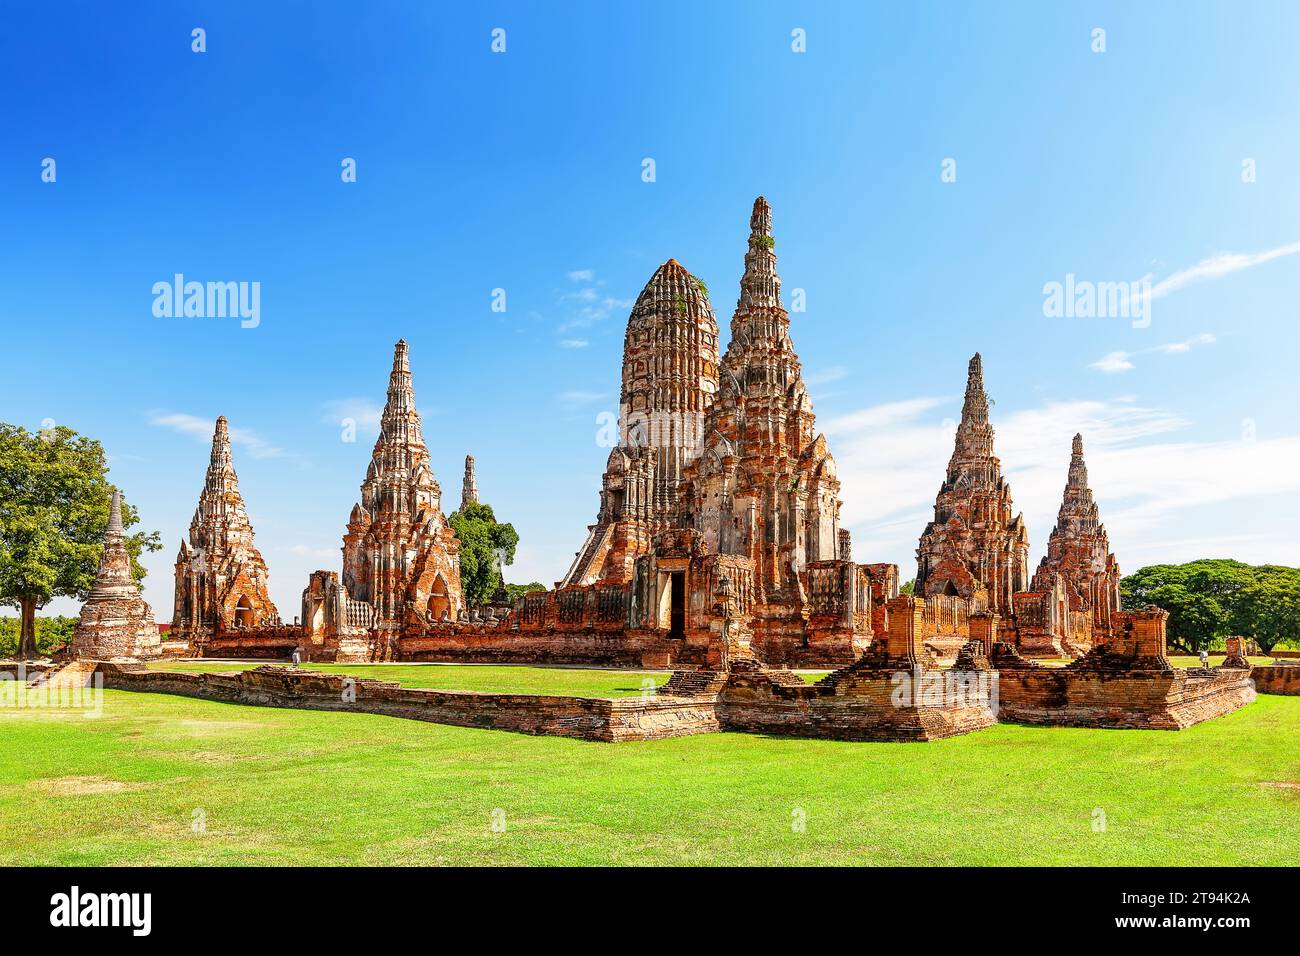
[(670, 375), (974, 548), (401, 559), (115, 620), (222, 595), (717, 551)]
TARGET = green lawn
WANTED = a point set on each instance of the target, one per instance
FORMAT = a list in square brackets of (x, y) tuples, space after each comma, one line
[(504, 679), (283, 787)]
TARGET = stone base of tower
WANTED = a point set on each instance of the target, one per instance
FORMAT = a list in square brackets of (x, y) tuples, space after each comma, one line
[(887, 695), (1126, 682), (116, 629)]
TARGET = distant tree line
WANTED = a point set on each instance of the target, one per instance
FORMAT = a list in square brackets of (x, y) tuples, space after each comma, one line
[(52, 633), (1212, 599)]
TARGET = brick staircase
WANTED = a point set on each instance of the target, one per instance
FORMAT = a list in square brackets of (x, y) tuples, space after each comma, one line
[(595, 541), (694, 684), (65, 674)]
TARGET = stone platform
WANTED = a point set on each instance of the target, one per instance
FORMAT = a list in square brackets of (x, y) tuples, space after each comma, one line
[(1278, 678), (1118, 692), (586, 718)]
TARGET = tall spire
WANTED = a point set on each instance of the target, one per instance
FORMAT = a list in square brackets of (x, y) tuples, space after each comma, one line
[(220, 565), (760, 286), (400, 460), (113, 578), (115, 621), (766, 485), (975, 542), (398, 540), (114, 529), (974, 433), (1078, 508), (975, 410), (220, 516), (469, 487), (1078, 549), (401, 395), (1078, 479)]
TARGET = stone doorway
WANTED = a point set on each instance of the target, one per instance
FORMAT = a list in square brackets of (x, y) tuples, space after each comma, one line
[(677, 609)]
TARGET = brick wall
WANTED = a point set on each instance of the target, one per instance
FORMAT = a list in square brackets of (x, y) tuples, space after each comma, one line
[(632, 718), (1169, 700), (1277, 679)]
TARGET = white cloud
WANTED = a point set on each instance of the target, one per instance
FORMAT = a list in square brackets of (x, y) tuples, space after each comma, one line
[(202, 429), (1151, 487), (1113, 362), (303, 551), (1219, 265), (825, 376), (574, 343), (593, 305), (580, 397), (364, 412)]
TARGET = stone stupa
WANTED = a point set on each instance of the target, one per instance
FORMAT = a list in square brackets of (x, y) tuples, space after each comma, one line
[(115, 620)]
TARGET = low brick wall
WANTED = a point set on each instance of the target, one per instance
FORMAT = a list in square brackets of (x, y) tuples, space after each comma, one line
[(594, 648), (1136, 699), (857, 705), (586, 718), (1277, 679), (15, 670)]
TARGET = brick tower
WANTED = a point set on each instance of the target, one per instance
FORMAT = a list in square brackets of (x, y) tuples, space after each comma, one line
[(765, 484), (469, 484), (221, 579), (670, 374), (974, 547), (399, 552), (115, 620), (1079, 551)]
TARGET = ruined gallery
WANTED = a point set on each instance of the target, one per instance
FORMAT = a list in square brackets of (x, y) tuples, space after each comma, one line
[(716, 551)]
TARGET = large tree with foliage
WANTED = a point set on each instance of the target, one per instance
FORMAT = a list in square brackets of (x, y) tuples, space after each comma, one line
[(486, 546), (1210, 599), (54, 501)]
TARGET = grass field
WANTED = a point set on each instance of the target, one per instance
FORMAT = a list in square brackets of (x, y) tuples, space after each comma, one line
[(272, 786), (503, 680)]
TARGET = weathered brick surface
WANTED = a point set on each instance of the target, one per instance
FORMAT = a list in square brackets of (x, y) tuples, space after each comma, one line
[(115, 620), (1169, 700), (867, 705), (976, 546), (221, 579), (1277, 679), (633, 718)]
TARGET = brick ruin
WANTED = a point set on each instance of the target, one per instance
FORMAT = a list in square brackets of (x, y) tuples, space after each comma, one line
[(115, 620), (223, 606), (717, 550), (974, 549), (401, 559), (670, 376), (1078, 575)]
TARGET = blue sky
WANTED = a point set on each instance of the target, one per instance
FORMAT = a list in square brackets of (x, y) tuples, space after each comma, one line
[(522, 171)]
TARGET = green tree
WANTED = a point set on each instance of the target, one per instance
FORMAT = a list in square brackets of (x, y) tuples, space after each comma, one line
[(516, 591), (54, 502), (908, 588), (486, 546), (52, 634), (1195, 619), (1271, 610), (1261, 602)]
